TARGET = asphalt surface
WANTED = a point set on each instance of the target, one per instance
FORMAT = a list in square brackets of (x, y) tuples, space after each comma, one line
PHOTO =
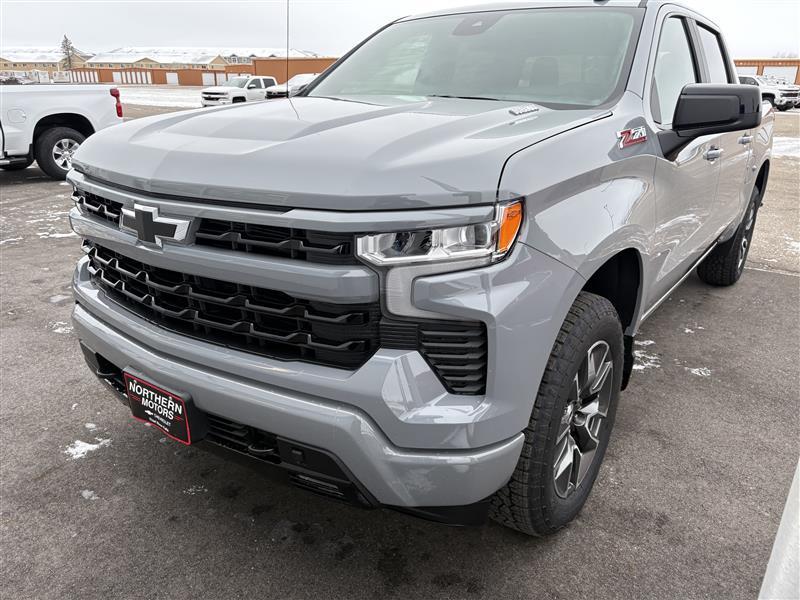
[(95, 505)]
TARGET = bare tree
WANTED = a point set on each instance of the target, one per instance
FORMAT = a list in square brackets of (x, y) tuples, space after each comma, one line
[(67, 49)]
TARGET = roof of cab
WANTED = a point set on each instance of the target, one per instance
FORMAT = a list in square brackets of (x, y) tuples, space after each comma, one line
[(537, 4)]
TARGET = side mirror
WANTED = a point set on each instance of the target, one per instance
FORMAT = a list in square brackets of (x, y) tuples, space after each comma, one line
[(710, 109), (251, 86), (298, 89)]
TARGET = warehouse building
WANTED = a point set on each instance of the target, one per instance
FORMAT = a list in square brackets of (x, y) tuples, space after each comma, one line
[(193, 66), (780, 68)]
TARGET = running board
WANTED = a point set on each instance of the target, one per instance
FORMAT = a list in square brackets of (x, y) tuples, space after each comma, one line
[(652, 309)]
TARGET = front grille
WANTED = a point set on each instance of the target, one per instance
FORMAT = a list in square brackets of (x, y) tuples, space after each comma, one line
[(275, 324), (299, 244), (253, 319), (100, 207)]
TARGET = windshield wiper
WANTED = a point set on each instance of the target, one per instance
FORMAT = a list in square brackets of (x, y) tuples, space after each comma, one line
[(462, 97)]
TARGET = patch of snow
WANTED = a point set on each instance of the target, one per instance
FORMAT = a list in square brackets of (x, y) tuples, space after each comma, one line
[(195, 489), (699, 371), (794, 245), (642, 360), (74, 406), (90, 426), (89, 495), (60, 327), (59, 298), (10, 240), (687, 330), (786, 147), (52, 234), (79, 449)]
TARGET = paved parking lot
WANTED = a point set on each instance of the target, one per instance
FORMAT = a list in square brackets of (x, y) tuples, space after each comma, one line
[(94, 505)]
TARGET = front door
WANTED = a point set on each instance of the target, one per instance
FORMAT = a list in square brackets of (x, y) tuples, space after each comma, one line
[(685, 187), (255, 89)]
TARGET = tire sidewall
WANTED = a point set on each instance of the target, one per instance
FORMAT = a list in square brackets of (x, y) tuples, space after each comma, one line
[(563, 510), (45, 145), (741, 233)]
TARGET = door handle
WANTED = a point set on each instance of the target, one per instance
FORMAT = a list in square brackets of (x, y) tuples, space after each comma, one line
[(713, 154), (745, 139)]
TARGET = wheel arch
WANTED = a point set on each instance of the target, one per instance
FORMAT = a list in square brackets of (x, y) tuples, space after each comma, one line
[(763, 178), (620, 280), (75, 121)]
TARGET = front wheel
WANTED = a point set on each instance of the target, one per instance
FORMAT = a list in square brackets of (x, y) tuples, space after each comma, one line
[(725, 264), (569, 429)]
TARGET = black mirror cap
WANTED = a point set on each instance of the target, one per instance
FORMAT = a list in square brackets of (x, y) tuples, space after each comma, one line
[(709, 109)]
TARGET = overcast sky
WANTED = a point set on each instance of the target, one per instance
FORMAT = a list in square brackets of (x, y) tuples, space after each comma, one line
[(753, 28)]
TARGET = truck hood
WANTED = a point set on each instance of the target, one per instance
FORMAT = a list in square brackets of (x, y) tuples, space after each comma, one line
[(327, 153), (218, 89)]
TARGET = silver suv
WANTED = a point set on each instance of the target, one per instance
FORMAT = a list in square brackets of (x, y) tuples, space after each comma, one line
[(417, 283)]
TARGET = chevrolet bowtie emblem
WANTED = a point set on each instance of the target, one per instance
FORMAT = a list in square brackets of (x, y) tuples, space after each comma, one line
[(150, 228)]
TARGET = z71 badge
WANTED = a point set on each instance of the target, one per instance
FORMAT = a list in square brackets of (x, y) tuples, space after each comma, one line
[(631, 137)]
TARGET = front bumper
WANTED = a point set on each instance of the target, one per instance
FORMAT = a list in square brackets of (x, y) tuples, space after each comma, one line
[(392, 475), (214, 101)]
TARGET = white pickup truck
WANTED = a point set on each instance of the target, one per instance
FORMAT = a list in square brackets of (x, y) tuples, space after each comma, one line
[(244, 88), (47, 123)]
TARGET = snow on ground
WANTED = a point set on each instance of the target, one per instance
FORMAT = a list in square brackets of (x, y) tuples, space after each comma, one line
[(79, 448), (786, 146), (177, 97)]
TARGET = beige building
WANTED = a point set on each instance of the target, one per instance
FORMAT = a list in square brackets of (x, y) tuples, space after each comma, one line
[(24, 58)]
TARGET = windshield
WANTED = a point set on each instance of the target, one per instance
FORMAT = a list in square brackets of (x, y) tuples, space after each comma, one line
[(563, 58), (237, 82)]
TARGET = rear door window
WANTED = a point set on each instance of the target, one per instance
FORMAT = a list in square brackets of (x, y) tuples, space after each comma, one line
[(715, 56)]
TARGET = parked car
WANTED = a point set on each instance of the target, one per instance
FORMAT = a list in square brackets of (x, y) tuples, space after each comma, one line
[(779, 94), (291, 87), (418, 285), (237, 89), (48, 123)]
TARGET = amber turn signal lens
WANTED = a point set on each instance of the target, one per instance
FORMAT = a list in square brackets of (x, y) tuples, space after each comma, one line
[(510, 222)]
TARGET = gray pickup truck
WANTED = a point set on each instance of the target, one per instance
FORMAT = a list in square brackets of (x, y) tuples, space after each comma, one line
[(417, 283)]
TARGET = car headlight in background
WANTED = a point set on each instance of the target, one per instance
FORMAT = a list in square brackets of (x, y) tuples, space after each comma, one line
[(488, 241)]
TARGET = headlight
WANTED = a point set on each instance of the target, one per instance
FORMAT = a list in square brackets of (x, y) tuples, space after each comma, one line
[(490, 241)]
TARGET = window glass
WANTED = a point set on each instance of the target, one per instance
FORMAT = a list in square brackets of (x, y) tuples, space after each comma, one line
[(558, 57), (714, 56), (674, 69), (256, 83)]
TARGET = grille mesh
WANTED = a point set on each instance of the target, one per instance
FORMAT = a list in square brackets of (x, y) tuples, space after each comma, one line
[(253, 319), (100, 207), (298, 244)]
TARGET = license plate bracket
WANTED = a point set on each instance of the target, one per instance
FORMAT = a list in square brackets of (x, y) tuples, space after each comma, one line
[(171, 412)]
